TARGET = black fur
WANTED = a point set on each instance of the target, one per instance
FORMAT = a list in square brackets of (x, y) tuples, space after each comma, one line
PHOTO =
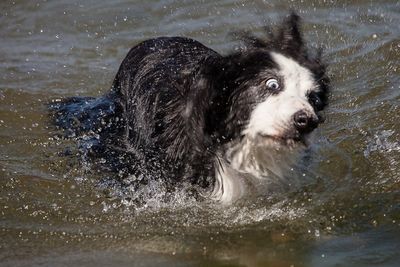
[(175, 103)]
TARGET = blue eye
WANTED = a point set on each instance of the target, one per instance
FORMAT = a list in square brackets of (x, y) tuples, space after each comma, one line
[(272, 84)]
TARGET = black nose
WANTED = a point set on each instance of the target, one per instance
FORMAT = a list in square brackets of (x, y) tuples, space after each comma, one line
[(305, 122)]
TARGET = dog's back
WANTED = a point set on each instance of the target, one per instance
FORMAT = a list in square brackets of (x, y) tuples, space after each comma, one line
[(152, 87), (141, 121)]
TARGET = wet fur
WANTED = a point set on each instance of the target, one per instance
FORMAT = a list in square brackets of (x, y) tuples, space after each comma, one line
[(176, 106)]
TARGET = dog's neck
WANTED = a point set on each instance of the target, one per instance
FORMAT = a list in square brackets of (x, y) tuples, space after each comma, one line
[(247, 168)]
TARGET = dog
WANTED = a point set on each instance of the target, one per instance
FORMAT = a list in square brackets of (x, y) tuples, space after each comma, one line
[(181, 112)]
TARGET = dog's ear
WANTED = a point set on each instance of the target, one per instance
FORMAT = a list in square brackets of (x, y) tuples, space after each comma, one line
[(289, 36), (203, 90)]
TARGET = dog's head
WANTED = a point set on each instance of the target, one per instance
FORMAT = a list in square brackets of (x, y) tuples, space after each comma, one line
[(272, 90)]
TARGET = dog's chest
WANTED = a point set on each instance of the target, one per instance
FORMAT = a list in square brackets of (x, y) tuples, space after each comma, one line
[(248, 170)]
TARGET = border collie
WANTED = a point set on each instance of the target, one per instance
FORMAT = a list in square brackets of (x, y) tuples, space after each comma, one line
[(181, 112)]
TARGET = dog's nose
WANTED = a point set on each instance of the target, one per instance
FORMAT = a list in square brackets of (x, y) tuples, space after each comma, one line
[(305, 122)]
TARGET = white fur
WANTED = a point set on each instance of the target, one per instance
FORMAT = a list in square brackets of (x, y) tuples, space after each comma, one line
[(229, 185), (273, 116), (250, 167)]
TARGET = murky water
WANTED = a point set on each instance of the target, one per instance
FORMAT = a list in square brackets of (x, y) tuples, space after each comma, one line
[(55, 212)]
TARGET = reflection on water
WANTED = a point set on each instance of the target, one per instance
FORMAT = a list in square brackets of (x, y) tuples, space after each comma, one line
[(57, 210)]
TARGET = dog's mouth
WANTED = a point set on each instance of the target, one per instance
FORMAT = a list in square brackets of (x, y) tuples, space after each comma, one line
[(287, 140)]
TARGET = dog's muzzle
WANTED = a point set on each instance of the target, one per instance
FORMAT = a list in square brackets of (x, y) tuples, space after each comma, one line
[(305, 122)]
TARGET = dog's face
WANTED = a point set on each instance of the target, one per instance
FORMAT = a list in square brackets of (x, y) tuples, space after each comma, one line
[(278, 100), (289, 109), (276, 90)]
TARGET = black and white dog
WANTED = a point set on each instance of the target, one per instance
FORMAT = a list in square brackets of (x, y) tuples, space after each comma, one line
[(181, 112)]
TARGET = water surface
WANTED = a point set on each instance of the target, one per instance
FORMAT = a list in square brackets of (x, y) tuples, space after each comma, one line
[(55, 212)]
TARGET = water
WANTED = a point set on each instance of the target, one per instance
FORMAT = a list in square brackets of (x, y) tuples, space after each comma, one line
[(58, 211)]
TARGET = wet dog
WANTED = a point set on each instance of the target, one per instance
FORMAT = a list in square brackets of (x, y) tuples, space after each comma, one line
[(179, 111)]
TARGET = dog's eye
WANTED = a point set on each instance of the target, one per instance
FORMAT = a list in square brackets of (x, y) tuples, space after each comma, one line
[(272, 84), (316, 101)]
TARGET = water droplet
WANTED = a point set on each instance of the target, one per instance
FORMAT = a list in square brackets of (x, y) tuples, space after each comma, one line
[(317, 233)]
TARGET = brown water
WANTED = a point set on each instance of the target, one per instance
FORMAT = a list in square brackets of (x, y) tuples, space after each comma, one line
[(345, 212)]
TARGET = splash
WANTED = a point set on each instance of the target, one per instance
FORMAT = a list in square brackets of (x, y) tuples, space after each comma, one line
[(381, 143), (153, 196), (273, 213)]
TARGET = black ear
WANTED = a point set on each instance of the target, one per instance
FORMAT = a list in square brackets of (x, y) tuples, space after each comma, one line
[(204, 88), (289, 36)]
